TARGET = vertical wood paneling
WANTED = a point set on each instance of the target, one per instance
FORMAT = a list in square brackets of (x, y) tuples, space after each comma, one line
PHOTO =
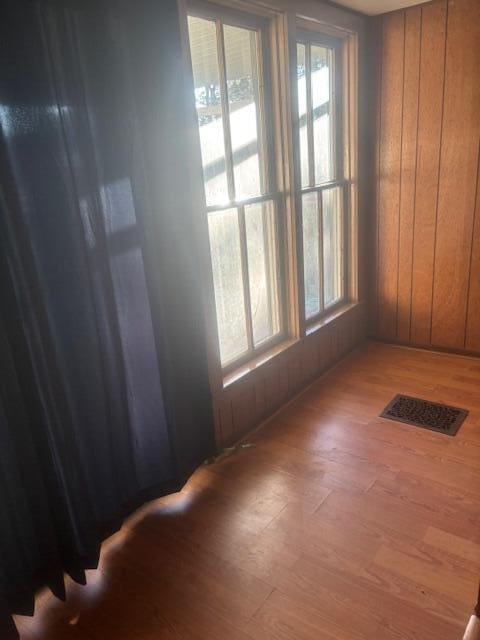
[(309, 361), (243, 404), (244, 409), (458, 172), (260, 398), (472, 331), (374, 87), (389, 188), (294, 369), (428, 160), (413, 22), (225, 427), (272, 390), (428, 226)]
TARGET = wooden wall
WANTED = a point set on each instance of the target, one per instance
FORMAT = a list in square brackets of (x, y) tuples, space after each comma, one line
[(427, 176), (244, 404)]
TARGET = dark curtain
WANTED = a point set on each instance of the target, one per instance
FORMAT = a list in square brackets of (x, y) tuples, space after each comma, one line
[(104, 394)]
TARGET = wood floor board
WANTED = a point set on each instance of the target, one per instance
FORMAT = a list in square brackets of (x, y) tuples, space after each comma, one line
[(333, 524), (438, 560), (390, 600), (433, 502), (375, 590), (425, 573), (280, 485), (456, 545), (284, 618)]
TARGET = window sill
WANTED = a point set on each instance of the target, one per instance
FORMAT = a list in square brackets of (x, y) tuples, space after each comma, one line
[(329, 317), (258, 361), (267, 356)]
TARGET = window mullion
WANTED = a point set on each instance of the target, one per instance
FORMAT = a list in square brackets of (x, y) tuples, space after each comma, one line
[(258, 82), (245, 275), (309, 107), (344, 239), (267, 261), (321, 302), (325, 186), (335, 152), (225, 111)]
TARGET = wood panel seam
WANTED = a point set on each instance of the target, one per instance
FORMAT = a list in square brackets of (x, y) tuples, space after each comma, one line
[(401, 169), (439, 166), (475, 213), (415, 177), (379, 138)]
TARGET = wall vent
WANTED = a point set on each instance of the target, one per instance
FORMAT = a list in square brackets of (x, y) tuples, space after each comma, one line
[(425, 414)]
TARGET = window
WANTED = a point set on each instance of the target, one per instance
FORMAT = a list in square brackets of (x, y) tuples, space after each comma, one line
[(323, 188), (273, 278), (233, 98)]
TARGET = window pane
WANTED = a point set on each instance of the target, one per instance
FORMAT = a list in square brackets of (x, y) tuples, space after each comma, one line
[(311, 260), (332, 245), (302, 113), (321, 63), (243, 89), (227, 279), (262, 270), (203, 45)]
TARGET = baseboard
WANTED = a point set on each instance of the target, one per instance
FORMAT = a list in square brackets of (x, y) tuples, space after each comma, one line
[(465, 353)]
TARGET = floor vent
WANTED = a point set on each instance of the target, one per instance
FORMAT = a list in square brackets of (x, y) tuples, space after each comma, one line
[(424, 414)]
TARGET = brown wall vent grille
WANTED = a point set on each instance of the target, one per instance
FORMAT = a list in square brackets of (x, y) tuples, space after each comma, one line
[(425, 414)]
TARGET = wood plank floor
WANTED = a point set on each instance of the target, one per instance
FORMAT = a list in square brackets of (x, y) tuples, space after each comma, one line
[(335, 525)]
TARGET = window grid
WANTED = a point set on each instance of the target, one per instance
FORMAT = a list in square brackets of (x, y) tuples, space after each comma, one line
[(320, 188), (273, 259), (275, 294), (245, 275), (227, 136), (311, 152)]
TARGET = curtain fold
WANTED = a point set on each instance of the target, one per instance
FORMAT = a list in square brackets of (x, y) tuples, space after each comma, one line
[(104, 396)]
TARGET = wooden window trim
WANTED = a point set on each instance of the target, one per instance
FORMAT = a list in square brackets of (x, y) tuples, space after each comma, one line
[(345, 45), (270, 173), (274, 351), (282, 27), (237, 17), (336, 45)]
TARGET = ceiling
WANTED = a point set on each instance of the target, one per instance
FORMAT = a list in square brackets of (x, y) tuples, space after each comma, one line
[(374, 7)]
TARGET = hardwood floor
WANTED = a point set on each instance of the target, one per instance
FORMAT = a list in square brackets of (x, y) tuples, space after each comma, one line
[(334, 524)]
